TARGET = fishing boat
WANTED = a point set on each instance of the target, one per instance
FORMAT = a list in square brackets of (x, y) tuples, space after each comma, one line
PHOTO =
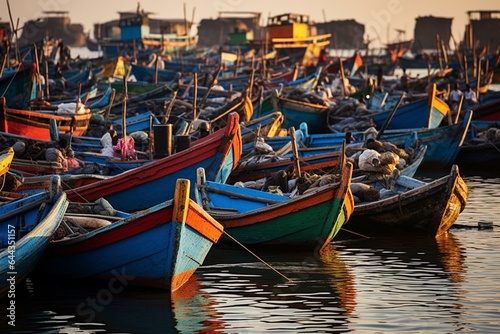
[(30, 184), (424, 113), (412, 206), (316, 155), (481, 148), (297, 111), (260, 218), (443, 143), (137, 188), (137, 30), (159, 247), (27, 225), (290, 36), (5, 160), (36, 124)]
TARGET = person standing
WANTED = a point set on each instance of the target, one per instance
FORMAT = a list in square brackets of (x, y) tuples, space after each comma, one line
[(470, 95)]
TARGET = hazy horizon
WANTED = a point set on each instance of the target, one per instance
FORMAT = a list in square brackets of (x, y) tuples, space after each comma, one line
[(382, 18)]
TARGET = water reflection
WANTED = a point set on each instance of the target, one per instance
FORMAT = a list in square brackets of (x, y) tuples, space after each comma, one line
[(82, 308), (251, 297), (404, 284), (405, 278)]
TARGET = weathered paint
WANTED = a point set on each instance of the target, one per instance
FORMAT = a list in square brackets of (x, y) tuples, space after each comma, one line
[(153, 183), (30, 247), (155, 247)]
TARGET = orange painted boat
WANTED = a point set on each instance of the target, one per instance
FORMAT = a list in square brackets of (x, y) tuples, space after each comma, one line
[(36, 124)]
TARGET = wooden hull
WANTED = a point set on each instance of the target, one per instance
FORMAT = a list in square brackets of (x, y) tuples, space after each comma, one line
[(412, 115), (488, 109), (36, 125), (443, 143), (5, 160), (480, 156), (259, 218), (296, 112), (138, 188), (424, 113), (430, 209), (169, 242), (268, 126), (318, 160), (36, 167), (321, 162), (39, 215), (34, 183)]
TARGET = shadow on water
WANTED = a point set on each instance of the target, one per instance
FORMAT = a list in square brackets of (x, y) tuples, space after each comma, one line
[(54, 306), (396, 284)]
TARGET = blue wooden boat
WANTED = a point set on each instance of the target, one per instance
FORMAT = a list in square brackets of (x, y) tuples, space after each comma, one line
[(159, 247), (141, 122), (424, 113), (443, 143), (137, 188), (151, 74), (259, 218), (14, 87), (27, 225), (479, 151)]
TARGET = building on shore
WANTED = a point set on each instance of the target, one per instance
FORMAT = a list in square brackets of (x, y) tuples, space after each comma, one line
[(483, 30), (54, 25), (230, 28), (430, 29), (346, 34)]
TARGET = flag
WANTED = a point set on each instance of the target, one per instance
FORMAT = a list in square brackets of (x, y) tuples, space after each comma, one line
[(356, 64)]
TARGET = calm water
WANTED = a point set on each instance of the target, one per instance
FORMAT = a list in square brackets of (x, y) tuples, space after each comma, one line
[(406, 284)]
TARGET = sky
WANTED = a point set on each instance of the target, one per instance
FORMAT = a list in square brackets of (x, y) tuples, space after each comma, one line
[(381, 17)]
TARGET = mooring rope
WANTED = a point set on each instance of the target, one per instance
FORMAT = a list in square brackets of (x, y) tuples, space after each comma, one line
[(267, 264)]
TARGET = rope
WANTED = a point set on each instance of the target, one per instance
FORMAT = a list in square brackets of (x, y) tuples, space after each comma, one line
[(14, 76), (3, 182), (355, 233), (267, 264), (493, 144), (73, 189)]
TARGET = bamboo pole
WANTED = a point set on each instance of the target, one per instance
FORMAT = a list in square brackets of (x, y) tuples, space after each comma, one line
[(342, 76), (438, 48), (212, 84), (252, 78), (459, 107), (14, 31), (47, 87), (237, 64), (37, 62), (478, 78), (169, 108), (124, 114), (295, 152), (195, 97), (466, 70)]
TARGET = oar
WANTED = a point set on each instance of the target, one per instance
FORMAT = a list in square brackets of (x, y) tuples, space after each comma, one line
[(389, 118)]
